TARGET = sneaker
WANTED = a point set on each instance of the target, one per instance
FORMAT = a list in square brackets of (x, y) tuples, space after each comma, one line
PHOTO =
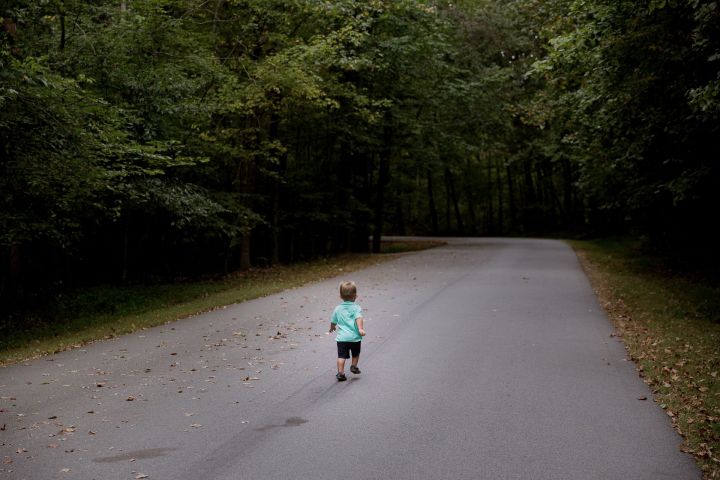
[(354, 369), (341, 377)]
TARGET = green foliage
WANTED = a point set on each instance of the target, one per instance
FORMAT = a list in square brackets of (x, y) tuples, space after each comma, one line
[(49, 144), (630, 94), (156, 138)]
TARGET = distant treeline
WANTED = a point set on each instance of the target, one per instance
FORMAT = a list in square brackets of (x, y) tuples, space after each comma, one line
[(147, 140)]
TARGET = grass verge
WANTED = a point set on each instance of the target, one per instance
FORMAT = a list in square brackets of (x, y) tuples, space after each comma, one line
[(105, 312), (670, 323)]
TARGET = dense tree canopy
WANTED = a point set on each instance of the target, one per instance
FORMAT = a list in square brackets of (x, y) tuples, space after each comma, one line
[(153, 139)]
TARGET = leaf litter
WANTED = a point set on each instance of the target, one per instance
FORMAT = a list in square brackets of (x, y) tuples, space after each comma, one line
[(678, 361)]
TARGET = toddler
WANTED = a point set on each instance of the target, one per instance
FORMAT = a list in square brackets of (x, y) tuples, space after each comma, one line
[(347, 320)]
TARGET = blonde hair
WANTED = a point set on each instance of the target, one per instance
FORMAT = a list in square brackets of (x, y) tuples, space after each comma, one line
[(348, 291)]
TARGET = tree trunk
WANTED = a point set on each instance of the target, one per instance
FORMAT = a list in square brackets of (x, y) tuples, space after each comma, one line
[(489, 218), (61, 13), (530, 213), (383, 178), (275, 253), (511, 197), (276, 191), (431, 201), (501, 200), (456, 207), (345, 175), (569, 210), (448, 224), (470, 195), (558, 210), (245, 252)]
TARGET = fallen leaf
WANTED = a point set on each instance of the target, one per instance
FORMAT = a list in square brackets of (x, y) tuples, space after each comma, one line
[(130, 398), (642, 398), (140, 475), (91, 433), (64, 470), (196, 425)]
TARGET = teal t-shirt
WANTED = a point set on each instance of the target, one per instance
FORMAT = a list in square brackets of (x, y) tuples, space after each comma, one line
[(344, 317)]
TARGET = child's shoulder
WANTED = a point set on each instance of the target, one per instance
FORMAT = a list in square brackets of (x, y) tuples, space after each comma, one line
[(347, 305)]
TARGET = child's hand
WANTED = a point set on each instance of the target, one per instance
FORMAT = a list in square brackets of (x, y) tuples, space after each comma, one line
[(362, 332), (332, 328)]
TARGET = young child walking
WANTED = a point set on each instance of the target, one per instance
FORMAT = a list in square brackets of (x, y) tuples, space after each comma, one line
[(347, 320)]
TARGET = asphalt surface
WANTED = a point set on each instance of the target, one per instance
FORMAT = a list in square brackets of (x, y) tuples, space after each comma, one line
[(484, 359)]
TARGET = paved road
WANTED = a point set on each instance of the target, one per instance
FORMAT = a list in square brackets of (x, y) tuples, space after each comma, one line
[(485, 359)]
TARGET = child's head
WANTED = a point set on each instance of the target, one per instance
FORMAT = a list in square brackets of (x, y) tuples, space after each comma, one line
[(348, 291)]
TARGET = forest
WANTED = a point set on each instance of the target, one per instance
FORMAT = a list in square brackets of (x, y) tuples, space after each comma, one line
[(159, 140)]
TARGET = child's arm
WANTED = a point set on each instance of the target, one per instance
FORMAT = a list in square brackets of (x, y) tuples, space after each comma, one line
[(333, 322), (359, 321)]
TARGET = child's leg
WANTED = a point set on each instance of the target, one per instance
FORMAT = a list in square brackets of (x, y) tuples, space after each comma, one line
[(355, 358), (355, 351), (341, 365)]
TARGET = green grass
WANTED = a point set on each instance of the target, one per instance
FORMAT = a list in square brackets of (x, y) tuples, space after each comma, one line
[(105, 312), (670, 323)]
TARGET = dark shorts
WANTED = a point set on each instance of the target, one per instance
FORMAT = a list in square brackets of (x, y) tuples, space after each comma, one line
[(345, 348)]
